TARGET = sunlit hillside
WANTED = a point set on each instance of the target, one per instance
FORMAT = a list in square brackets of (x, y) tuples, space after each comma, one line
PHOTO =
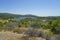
[(29, 28)]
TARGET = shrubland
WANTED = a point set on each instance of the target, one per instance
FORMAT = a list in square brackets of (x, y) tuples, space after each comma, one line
[(40, 28)]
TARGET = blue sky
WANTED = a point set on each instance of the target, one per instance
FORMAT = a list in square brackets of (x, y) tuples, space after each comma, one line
[(34, 7)]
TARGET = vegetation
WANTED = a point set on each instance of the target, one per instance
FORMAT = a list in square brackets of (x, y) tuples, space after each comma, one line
[(8, 16), (32, 26)]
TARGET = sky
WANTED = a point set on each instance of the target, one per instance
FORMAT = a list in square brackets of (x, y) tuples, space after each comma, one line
[(34, 7)]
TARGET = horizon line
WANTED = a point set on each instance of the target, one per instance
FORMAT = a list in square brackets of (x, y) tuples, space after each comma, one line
[(30, 14)]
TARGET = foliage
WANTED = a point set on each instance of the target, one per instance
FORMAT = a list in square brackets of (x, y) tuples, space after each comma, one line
[(1, 24)]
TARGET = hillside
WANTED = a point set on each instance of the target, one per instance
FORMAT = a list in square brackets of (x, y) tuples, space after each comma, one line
[(8, 15), (34, 27), (19, 17)]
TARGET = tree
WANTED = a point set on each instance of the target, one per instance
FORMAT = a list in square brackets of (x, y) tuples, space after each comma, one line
[(56, 26)]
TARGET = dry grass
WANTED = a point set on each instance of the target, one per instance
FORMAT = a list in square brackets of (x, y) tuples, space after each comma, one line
[(10, 36), (14, 36)]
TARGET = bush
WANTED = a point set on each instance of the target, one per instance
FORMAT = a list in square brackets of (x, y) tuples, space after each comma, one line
[(33, 32)]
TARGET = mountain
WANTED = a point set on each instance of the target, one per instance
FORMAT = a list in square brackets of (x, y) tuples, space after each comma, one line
[(19, 17), (26, 16), (8, 15)]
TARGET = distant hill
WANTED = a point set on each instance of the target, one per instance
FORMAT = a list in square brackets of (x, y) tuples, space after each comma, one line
[(19, 17), (8, 15), (26, 16)]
